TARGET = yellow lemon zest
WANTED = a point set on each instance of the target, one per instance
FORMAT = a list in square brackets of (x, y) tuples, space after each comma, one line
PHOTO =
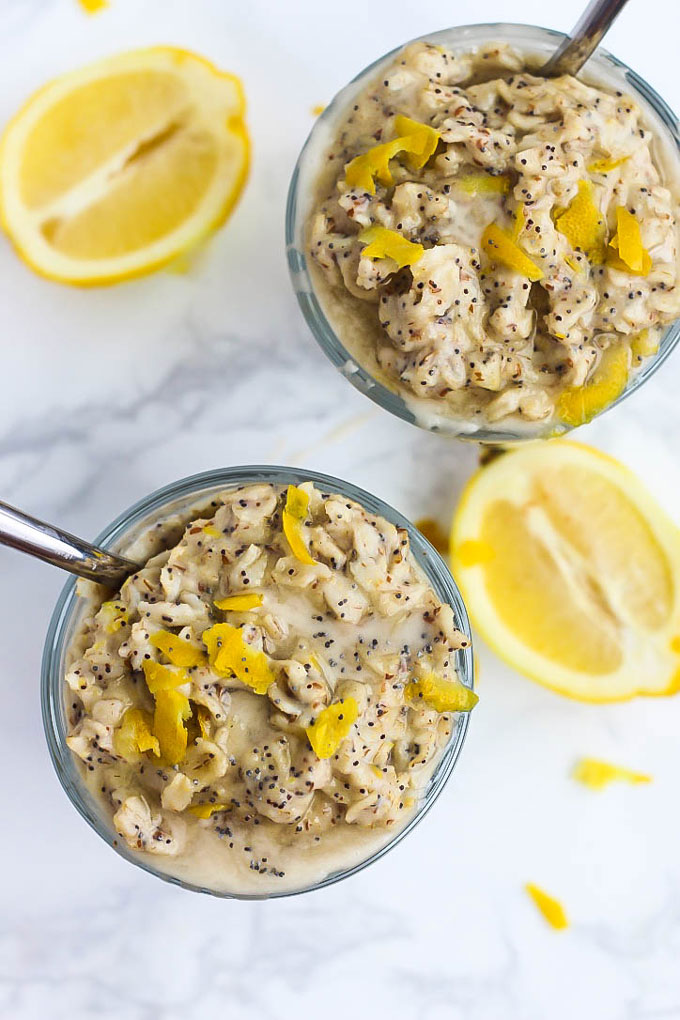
[(627, 243), (597, 774), (317, 110), (163, 678), (603, 166), (203, 720), (582, 224), (210, 529), (382, 243), (573, 263), (441, 695), (500, 247), (207, 810), (295, 512), (552, 909), (93, 6), (434, 533), (472, 552), (419, 142), (177, 650), (134, 735), (579, 404), (172, 710), (331, 726), (239, 603), (484, 184), (113, 615), (644, 345), (231, 656)]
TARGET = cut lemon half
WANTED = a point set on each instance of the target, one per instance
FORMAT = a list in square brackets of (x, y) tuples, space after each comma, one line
[(571, 572), (111, 171)]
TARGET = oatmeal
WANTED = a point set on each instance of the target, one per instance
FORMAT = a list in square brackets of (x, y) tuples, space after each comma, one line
[(494, 245), (265, 700)]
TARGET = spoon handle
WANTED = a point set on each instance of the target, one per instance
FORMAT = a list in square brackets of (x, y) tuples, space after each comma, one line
[(572, 54), (29, 535)]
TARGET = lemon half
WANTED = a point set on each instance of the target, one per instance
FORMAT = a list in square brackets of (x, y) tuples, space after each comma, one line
[(570, 572), (111, 171)]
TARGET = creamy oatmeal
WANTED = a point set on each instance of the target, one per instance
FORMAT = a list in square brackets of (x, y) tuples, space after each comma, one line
[(265, 700), (493, 245)]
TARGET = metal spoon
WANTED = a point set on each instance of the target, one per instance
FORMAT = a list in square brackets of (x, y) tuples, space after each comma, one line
[(593, 24), (29, 535)]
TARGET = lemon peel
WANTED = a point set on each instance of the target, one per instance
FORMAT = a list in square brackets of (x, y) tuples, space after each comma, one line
[(418, 141), (551, 909), (294, 513), (579, 404), (171, 712), (239, 603), (484, 184), (441, 695), (582, 224), (210, 529), (230, 656), (500, 247), (163, 678), (177, 650), (631, 256), (134, 735), (604, 166), (596, 774), (207, 810), (331, 726), (382, 243)]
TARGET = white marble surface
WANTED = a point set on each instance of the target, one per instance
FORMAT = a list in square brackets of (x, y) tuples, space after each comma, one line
[(108, 394)]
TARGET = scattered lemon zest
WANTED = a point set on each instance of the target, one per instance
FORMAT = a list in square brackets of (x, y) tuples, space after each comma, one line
[(382, 243), (295, 512), (134, 735), (604, 166), (163, 678), (177, 650), (441, 695), (418, 141), (472, 553), (573, 263), (230, 655), (596, 774), (552, 909), (627, 243), (644, 344), (207, 810), (203, 717), (172, 710), (434, 533), (210, 529), (500, 247), (484, 184), (113, 615), (582, 224), (422, 140), (318, 110), (579, 404), (239, 603), (331, 726)]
